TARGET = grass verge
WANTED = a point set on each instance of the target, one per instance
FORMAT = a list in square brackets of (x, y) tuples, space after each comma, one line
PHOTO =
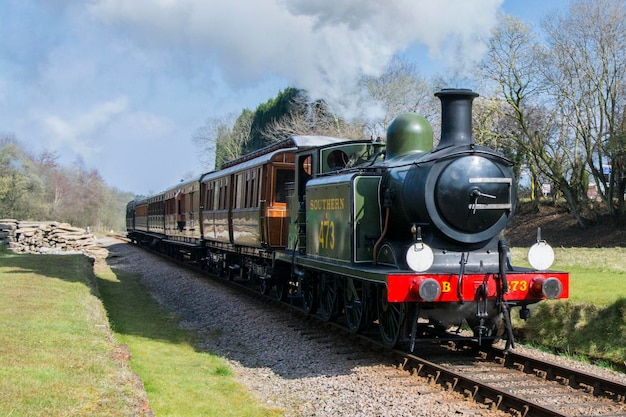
[(56, 354), (592, 322), (179, 379), (598, 332)]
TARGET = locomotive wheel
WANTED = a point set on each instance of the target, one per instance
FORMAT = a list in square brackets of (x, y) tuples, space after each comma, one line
[(355, 305), (310, 293), (328, 297), (390, 319)]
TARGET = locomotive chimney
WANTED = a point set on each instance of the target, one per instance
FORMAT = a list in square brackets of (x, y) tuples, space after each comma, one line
[(456, 116)]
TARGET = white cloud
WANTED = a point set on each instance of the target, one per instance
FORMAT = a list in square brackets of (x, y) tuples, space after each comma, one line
[(322, 46), (106, 79), (78, 132)]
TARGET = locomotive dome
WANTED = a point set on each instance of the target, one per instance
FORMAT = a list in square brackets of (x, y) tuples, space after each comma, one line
[(408, 133)]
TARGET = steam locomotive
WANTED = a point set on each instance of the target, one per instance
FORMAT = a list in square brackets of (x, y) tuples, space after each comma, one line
[(396, 235)]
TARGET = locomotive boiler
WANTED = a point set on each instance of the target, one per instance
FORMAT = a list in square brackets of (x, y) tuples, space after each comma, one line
[(399, 236)]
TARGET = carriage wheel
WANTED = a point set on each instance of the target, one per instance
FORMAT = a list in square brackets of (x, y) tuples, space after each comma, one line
[(218, 268), (265, 286), (310, 293), (355, 305), (282, 289), (281, 273), (390, 319), (328, 297)]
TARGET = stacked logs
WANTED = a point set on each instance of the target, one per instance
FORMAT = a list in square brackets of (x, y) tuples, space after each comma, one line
[(45, 237), (7, 231)]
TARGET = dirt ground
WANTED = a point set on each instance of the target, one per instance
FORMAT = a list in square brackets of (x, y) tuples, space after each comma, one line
[(560, 229)]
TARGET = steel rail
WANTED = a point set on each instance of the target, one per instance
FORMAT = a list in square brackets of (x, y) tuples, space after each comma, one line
[(600, 386), (501, 399)]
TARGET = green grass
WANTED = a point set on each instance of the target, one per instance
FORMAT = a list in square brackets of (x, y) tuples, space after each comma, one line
[(597, 276), (56, 356), (180, 379), (581, 328), (592, 322)]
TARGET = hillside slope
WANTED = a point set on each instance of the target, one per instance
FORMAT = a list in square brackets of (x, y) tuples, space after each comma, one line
[(559, 229)]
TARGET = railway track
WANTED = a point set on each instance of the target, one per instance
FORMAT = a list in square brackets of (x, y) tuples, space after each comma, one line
[(513, 382), (519, 384), (509, 381)]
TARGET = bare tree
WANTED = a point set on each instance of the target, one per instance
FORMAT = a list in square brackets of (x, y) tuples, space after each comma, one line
[(205, 139), (222, 139), (400, 89), (587, 73), (527, 121), (57, 185), (310, 118), (231, 142)]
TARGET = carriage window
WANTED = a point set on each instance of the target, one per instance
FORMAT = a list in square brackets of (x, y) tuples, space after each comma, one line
[(246, 195), (181, 204), (251, 202), (256, 184), (223, 194), (283, 176), (208, 204), (216, 195), (239, 198)]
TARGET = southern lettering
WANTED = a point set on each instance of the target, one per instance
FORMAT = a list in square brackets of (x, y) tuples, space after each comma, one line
[(327, 204)]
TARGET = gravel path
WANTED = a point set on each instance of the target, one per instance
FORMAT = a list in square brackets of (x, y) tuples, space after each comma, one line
[(304, 372)]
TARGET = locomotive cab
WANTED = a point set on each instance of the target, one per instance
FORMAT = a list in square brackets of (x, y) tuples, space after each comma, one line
[(323, 165)]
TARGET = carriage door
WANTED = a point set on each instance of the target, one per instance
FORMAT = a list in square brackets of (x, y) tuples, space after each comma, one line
[(180, 210), (280, 180)]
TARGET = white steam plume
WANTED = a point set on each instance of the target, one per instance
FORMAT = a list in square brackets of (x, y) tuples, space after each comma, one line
[(322, 46)]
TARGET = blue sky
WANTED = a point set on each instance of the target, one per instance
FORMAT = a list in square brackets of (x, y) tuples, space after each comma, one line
[(121, 86)]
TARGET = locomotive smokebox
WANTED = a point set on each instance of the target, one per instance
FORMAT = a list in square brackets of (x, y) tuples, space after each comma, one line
[(456, 117)]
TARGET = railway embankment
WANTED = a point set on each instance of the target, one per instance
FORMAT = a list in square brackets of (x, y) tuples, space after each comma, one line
[(586, 330)]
